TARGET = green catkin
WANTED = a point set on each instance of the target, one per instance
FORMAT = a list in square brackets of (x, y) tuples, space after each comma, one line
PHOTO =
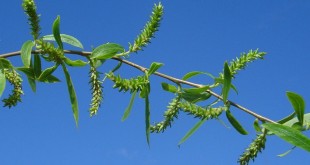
[(241, 62), (171, 113), (96, 87), (14, 78), (251, 152), (200, 112), (47, 48), (133, 84), (33, 18), (149, 29)]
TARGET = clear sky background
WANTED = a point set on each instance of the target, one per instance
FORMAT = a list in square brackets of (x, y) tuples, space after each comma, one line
[(194, 35)]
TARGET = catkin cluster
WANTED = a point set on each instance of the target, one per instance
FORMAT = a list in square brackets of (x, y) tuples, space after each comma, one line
[(251, 152), (47, 48), (133, 84), (149, 29), (33, 18), (14, 78), (171, 113), (200, 112), (96, 87), (244, 59)]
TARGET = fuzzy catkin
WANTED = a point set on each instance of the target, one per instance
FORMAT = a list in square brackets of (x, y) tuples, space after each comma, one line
[(14, 78)]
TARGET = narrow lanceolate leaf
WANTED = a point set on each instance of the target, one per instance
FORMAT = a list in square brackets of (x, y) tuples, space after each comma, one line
[(195, 97), (290, 135), (287, 118), (75, 62), (298, 104), (117, 67), (169, 88), (56, 32), (47, 72), (66, 39), (145, 91), (51, 79), (37, 65), (73, 99), (256, 126), (29, 72), (26, 53), (154, 67), (106, 51), (2, 83), (192, 131), (128, 109), (32, 83), (287, 152), (221, 81), (147, 117), (196, 90), (234, 122), (195, 73), (227, 82)]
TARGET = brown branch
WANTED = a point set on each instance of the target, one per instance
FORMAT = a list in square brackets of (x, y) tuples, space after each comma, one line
[(175, 80)]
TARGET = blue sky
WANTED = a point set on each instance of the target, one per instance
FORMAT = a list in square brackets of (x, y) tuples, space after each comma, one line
[(194, 35)]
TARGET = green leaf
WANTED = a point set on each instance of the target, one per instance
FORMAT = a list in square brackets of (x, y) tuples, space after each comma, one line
[(47, 72), (37, 65), (154, 67), (51, 79), (221, 81), (26, 53), (117, 67), (169, 88), (294, 120), (297, 126), (66, 39), (290, 135), (195, 97), (128, 109), (145, 91), (227, 82), (2, 83), (5, 64), (192, 131), (147, 116), (56, 32), (287, 152), (106, 51), (32, 83), (298, 104), (287, 118), (256, 126), (291, 121), (29, 72), (73, 99), (196, 90), (195, 73), (234, 122), (74, 62)]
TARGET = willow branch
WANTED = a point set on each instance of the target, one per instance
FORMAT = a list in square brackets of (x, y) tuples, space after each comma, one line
[(175, 80)]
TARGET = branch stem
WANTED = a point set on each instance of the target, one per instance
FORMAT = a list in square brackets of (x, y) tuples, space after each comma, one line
[(175, 80)]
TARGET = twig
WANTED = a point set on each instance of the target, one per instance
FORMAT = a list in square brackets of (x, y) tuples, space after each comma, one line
[(176, 80)]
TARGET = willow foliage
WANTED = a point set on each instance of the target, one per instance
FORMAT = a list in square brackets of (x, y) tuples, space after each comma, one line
[(198, 101)]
